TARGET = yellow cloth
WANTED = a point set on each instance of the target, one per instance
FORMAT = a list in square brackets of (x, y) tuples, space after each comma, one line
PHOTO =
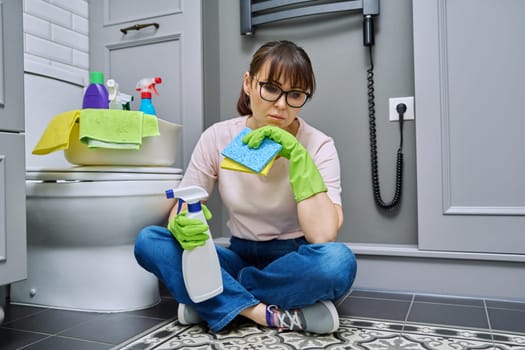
[(56, 134), (230, 164), (119, 129)]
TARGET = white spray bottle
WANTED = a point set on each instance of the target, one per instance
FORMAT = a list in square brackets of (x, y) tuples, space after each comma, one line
[(200, 266)]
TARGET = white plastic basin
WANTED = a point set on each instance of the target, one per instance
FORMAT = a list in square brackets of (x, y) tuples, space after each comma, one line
[(155, 151)]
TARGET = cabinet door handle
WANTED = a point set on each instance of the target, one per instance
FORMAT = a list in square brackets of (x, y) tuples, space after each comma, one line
[(139, 27)]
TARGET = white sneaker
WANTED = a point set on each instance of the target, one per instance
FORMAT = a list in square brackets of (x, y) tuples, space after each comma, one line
[(321, 317), (187, 315)]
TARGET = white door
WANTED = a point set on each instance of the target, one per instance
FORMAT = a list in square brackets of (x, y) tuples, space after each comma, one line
[(470, 102), (169, 45)]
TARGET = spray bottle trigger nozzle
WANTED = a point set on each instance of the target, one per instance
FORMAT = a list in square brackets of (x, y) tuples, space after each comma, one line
[(170, 194), (179, 207)]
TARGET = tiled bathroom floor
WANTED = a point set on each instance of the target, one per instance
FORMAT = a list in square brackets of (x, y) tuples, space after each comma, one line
[(34, 328)]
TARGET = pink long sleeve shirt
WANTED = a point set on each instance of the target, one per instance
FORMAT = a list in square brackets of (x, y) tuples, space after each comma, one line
[(260, 207)]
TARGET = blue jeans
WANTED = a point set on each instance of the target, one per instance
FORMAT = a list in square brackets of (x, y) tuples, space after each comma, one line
[(287, 273)]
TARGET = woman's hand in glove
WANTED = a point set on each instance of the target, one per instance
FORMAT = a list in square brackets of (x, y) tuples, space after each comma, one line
[(190, 232), (305, 178)]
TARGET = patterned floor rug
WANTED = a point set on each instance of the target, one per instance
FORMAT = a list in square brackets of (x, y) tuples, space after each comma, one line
[(353, 334)]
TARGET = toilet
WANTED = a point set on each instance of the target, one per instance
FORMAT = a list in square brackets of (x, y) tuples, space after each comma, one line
[(82, 220)]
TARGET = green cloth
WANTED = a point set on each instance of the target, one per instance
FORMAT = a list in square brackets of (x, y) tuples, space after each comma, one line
[(117, 129)]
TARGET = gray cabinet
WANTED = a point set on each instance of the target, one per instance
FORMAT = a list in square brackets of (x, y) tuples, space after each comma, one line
[(12, 150), (169, 45), (469, 87)]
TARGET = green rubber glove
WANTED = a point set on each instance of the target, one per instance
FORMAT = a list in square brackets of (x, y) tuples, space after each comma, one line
[(304, 175), (190, 232)]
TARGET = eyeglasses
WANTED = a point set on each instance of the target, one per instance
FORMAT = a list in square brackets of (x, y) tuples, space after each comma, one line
[(271, 92)]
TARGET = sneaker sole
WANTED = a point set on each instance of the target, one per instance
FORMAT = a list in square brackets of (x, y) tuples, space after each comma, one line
[(180, 315), (335, 315)]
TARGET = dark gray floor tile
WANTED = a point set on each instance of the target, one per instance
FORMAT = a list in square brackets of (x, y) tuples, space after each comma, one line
[(375, 308), (59, 343), (51, 321), (16, 312), (111, 328), (11, 339), (381, 295), (446, 314), (509, 305), (507, 320), (166, 309), (449, 300)]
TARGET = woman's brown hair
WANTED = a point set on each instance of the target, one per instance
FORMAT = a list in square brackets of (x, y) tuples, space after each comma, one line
[(287, 60)]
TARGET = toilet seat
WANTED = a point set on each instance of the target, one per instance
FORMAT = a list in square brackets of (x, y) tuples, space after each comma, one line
[(103, 173), (100, 181)]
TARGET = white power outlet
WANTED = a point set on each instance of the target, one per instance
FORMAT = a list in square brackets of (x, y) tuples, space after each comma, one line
[(392, 104)]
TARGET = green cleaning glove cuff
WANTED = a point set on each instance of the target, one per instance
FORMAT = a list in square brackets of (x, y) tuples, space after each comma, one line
[(305, 178), (305, 194)]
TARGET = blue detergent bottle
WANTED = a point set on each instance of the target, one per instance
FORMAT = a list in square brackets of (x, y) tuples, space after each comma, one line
[(146, 87), (96, 94)]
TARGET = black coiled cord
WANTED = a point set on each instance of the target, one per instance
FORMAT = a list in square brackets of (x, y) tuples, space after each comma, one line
[(401, 108)]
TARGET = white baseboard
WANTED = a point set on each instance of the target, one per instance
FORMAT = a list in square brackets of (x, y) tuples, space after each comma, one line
[(401, 268)]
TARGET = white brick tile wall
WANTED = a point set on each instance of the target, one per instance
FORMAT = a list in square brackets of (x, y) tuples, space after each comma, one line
[(77, 72), (78, 7), (80, 59), (48, 49), (36, 26), (56, 34), (35, 59), (80, 24), (46, 11), (69, 38)]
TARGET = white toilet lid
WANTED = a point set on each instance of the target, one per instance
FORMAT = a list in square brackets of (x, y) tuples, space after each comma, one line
[(103, 173)]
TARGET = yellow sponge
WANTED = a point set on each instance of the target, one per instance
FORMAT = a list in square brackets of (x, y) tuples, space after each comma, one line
[(230, 164)]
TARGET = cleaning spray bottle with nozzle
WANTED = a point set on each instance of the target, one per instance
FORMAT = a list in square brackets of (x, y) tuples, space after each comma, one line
[(146, 86), (117, 99), (200, 266)]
